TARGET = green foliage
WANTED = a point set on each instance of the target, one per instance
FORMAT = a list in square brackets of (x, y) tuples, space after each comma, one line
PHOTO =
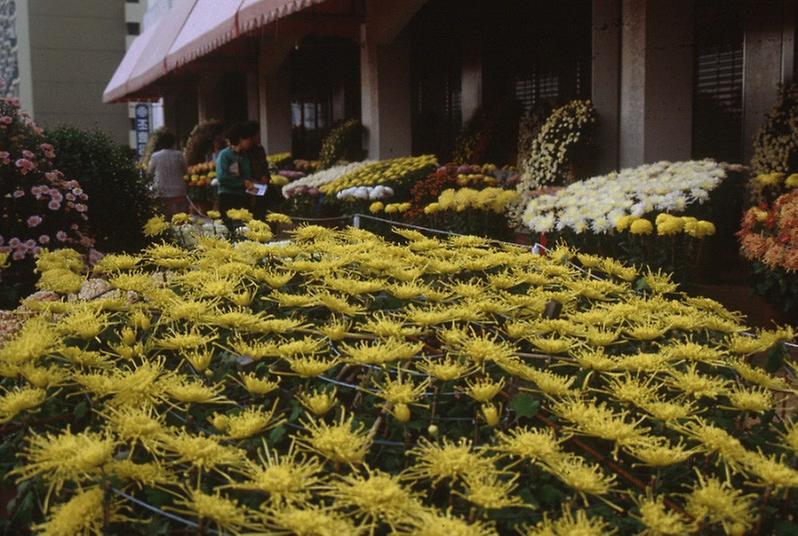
[(489, 136), (40, 206), (200, 141), (342, 143), (777, 285), (776, 143), (119, 199)]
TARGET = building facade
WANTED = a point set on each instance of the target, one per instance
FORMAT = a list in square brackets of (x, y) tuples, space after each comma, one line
[(56, 57), (669, 80)]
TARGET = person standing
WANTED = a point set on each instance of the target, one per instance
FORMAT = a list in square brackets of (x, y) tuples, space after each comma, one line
[(234, 172), (260, 170), (167, 167)]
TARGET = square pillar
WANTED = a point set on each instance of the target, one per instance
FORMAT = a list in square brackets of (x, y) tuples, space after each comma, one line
[(210, 103), (656, 104), (471, 80), (253, 96), (275, 110), (764, 56), (606, 80), (385, 95)]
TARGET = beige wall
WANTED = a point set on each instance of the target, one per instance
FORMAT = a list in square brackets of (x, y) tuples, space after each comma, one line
[(75, 46)]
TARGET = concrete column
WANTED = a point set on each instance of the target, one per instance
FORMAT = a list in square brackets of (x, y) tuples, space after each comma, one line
[(762, 68), (385, 96), (22, 27), (209, 99), (656, 106), (170, 111), (788, 42), (274, 94), (471, 80), (669, 80), (385, 77), (631, 148), (275, 110), (253, 96), (606, 80)]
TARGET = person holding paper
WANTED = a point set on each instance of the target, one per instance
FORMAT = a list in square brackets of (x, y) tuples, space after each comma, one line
[(234, 171), (260, 173)]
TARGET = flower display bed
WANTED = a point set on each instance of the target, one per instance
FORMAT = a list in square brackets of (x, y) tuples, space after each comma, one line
[(348, 383)]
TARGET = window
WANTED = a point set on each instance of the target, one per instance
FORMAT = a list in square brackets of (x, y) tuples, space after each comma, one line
[(718, 81), (133, 28), (436, 73)]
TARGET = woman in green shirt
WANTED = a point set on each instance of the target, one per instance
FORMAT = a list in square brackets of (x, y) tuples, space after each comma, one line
[(234, 171)]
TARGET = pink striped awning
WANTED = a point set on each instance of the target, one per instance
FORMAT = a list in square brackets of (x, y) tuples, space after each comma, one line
[(145, 60), (187, 31), (212, 23), (118, 86), (256, 13)]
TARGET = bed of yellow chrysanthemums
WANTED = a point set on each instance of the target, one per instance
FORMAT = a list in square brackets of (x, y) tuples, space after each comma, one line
[(346, 383)]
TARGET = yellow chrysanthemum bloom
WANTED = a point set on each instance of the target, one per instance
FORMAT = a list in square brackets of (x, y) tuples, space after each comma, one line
[(380, 352), (65, 457), (15, 401), (257, 386), (310, 367), (374, 496), (188, 340), (657, 452), (447, 460), (193, 392), (83, 322), (310, 520), (336, 329), (436, 523), (576, 473), (718, 502), (641, 226), (659, 521), (697, 385), (155, 226), (142, 474), (137, 424), (484, 389), (757, 400), (85, 513), (487, 490), (204, 453), (571, 523), (599, 420), (251, 421), (277, 217), (446, 369), (771, 471), (318, 402), (226, 515), (287, 479), (339, 443)]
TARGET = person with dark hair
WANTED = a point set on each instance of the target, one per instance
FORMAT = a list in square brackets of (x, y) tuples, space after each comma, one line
[(167, 167), (260, 170), (233, 170)]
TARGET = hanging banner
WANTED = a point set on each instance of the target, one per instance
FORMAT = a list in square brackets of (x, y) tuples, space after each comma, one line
[(142, 120)]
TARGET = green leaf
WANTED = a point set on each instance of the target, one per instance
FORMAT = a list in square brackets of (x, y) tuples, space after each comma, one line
[(276, 435), (81, 409), (525, 405), (156, 497), (785, 528)]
